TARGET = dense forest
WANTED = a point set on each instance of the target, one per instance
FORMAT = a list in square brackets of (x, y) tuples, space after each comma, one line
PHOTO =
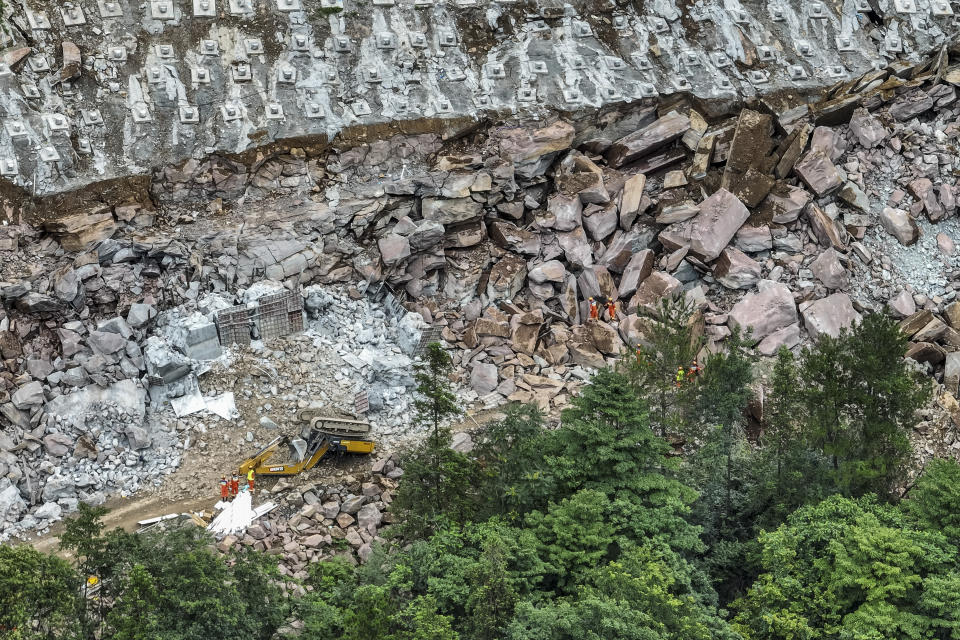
[(653, 511)]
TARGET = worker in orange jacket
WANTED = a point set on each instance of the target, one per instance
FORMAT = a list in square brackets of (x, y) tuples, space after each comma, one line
[(234, 486), (594, 310), (224, 488), (612, 309)]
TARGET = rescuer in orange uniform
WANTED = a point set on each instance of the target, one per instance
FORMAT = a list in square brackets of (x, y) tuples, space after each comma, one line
[(594, 310)]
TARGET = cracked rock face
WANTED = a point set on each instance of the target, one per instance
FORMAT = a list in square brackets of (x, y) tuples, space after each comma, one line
[(92, 93)]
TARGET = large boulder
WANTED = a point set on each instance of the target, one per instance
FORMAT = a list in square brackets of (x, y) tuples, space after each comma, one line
[(654, 288), (636, 271), (736, 270), (11, 503), (451, 211), (770, 309), (818, 172), (648, 139), (28, 396), (709, 232), (532, 150), (828, 270), (829, 315), (549, 271), (393, 249), (900, 225), (564, 212), (483, 378)]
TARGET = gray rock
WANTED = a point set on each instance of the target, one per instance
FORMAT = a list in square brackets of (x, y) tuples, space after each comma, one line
[(636, 271), (137, 437), (828, 269), (48, 511), (483, 378), (369, 517), (140, 314), (951, 371), (352, 504), (28, 396), (867, 128), (753, 239), (549, 271), (910, 105), (106, 342), (648, 139), (11, 503), (452, 211), (736, 270), (566, 212), (39, 369)]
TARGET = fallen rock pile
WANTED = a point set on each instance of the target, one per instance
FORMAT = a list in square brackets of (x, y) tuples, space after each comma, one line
[(316, 522)]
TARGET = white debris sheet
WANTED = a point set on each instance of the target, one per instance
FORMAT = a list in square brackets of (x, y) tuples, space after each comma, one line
[(238, 514), (223, 405)]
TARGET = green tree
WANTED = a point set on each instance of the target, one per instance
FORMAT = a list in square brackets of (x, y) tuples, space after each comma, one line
[(39, 596), (935, 498), (490, 605), (175, 577), (851, 569), (510, 452), (859, 400), (606, 445), (439, 484), (646, 594), (574, 535), (135, 616), (671, 341)]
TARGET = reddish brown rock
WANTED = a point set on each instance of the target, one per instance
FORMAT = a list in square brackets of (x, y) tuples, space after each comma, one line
[(647, 140), (900, 225), (770, 309), (828, 316), (721, 216), (818, 172), (654, 288), (736, 270)]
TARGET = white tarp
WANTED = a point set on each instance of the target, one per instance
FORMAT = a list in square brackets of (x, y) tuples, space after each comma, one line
[(224, 405)]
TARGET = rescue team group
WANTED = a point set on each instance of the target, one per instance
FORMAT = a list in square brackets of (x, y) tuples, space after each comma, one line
[(229, 489), (682, 374)]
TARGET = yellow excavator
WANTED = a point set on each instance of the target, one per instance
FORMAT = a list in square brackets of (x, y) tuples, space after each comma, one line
[(324, 435)]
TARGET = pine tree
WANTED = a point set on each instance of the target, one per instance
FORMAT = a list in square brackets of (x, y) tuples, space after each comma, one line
[(438, 483)]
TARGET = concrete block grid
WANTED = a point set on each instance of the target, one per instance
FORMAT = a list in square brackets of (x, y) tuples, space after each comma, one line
[(174, 79)]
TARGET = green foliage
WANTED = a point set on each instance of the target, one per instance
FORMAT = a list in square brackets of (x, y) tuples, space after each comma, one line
[(645, 594), (439, 483), (935, 499), (574, 536), (858, 400), (852, 569), (511, 455), (606, 445), (671, 342), (39, 596), (171, 584)]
